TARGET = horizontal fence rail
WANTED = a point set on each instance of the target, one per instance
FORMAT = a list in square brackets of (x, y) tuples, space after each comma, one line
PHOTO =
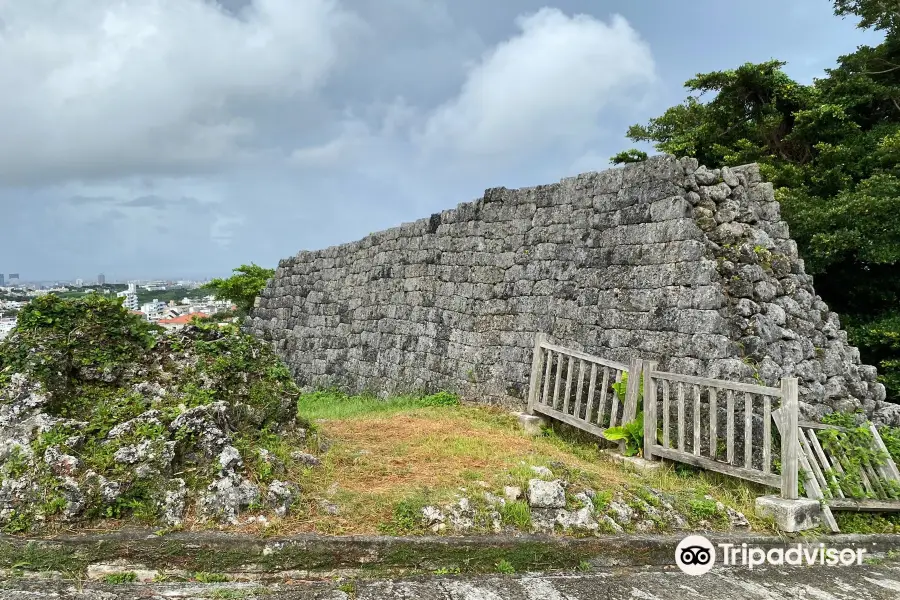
[(721, 426), (579, 389)]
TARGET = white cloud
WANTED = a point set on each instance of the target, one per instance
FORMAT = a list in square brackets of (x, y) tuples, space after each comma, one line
[(546, 85), (116, 87)]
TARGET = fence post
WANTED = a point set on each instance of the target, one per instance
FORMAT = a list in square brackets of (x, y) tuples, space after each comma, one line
[(629, 411), (534, 381), (649, 409), (790, 442)]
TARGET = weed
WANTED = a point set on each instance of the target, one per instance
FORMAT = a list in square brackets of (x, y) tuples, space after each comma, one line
[(120, 578), (447, 571), (517, 514), (348, 587), (703, 508), (504, 566)]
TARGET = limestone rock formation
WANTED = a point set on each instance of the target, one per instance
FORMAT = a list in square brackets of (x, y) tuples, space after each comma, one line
[(664, 259)]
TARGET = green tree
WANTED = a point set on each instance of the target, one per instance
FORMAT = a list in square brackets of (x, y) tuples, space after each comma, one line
[(628, 156), (832, 151), (242, 287)]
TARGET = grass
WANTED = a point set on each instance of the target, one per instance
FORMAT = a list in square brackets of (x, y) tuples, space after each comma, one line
[(390, 458), (120, 578)]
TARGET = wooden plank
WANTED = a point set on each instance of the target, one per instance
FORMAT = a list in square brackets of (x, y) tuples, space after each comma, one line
[(666, 416), (713, 394), (811, 425), (681, 416), (748, 430), (769, 479), (536, 365), (547, 371), (815, 492), (767, 434), (568, 384), (866, 483), (578, 389), (585, 356), (790, 445), (559, 363), (865, 505), (603, 391), (817, 472), (570, 420), (649, 410), (696, 446), (614, 410), (591, 389), (729, 427), (720, 383), (820, 454), (872, 477), (632, 390), (890, 467)]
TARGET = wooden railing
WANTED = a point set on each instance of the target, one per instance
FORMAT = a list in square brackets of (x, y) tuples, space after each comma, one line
[(820, 466), (577, 388), (719, 425), (691, 433)]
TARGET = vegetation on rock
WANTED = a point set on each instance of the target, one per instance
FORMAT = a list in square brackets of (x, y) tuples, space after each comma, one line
[(832, 151), (104, 415)]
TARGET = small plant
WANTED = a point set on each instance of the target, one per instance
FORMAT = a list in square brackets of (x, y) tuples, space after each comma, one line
[(584, 566), (120, 578), (632, 433), (504, 566), (447, 571), (703, 508), (348, 587), (517, 514), (440, 399)]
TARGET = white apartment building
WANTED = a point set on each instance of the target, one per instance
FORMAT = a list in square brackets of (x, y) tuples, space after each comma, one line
[(6, 325), (131, 299)]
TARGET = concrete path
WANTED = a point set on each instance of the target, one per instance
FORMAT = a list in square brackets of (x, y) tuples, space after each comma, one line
[(876, 581)]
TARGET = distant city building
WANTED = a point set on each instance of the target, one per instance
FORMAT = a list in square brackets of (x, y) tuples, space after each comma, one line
[(2, 279), (79, 282), (13, 277), (130, 295), (101, 279), (6, 325)]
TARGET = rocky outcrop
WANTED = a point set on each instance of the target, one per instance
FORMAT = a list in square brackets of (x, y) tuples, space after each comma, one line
[(666, 260)]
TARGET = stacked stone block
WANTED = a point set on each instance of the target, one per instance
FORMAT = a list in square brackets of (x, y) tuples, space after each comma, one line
[(662, 259)]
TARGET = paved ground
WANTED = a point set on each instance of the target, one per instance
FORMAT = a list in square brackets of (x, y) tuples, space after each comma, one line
[(878, 581)]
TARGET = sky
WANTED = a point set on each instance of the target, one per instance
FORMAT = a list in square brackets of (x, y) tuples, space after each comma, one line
[(182, 138)]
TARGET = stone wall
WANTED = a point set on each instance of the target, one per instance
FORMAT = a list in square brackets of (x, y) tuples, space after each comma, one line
[(688, 266)]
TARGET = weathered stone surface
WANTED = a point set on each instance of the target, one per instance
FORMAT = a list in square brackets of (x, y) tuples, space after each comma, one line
[(790, 515), (546, 494), (665, 260)]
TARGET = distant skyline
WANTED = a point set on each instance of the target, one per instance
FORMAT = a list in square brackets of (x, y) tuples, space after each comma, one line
[(159, 136)]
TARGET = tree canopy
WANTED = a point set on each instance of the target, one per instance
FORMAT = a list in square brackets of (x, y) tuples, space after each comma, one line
[(832, 151), (243, 286)]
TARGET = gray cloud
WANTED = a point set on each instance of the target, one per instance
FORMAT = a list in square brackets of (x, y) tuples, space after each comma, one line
[(148, 138)]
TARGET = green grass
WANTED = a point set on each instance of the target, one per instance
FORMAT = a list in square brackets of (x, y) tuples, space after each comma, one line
[(517, 514), (119, 578), (329, 405)]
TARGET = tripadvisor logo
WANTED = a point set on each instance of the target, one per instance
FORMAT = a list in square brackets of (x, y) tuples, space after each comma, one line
[(696, 555)]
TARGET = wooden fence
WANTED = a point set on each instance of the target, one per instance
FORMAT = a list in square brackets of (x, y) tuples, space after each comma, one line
[(719, 425), (823, 466), (577, 388), (690, 429)]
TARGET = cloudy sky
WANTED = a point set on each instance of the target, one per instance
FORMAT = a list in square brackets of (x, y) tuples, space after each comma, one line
[(181, 138)]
